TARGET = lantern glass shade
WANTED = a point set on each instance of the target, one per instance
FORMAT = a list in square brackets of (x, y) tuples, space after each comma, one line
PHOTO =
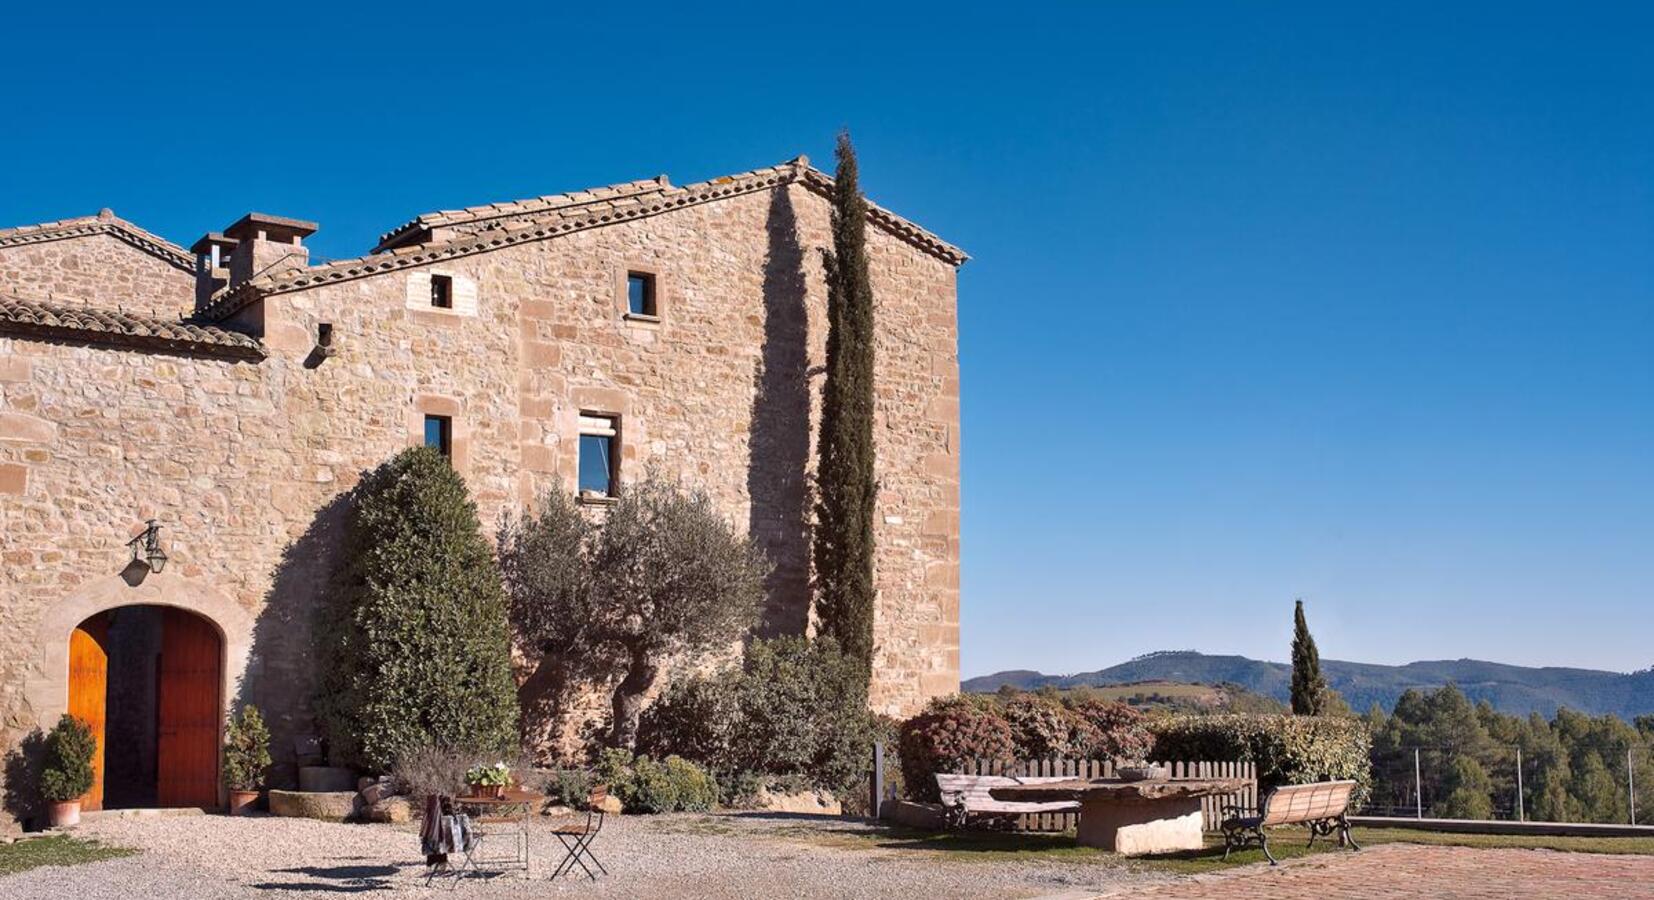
[(157, 560)]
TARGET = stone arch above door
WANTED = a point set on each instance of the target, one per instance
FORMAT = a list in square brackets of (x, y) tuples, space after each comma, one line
[(48, 694)]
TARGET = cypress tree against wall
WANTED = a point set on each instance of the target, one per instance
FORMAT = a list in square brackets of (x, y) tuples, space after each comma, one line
[(846, 488), (1309, 688)]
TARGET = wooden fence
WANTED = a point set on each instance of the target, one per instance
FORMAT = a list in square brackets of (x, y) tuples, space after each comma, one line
[(1211, 807)]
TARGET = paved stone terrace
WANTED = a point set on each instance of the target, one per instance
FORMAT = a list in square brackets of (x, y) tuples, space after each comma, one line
[(1416, 872)]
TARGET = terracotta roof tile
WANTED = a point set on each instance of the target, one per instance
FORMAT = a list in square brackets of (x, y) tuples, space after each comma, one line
[(101, 326), (104, 222), (562, 217)]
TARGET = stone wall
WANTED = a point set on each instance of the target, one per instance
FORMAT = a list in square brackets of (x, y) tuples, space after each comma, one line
[(97, 269), (244, 464)]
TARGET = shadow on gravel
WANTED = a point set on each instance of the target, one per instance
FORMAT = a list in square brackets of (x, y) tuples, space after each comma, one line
[(341, 873), (356, 879)]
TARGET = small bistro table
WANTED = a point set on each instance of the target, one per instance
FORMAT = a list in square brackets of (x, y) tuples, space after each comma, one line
[(514, 811), (1132, 818)]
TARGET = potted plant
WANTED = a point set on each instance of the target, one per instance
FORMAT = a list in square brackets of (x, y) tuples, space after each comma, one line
[(246, 757), (66, 775), (488, 781)]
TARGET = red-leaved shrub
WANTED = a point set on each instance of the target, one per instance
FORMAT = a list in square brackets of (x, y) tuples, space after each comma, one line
[(1118, 731), (948, 732)]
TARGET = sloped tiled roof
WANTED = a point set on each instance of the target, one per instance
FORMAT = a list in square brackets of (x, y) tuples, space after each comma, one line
[(34, 318), (478, 218), (105, 222), (559, 219)]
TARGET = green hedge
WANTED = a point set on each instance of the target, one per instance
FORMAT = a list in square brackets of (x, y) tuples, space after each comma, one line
[(1286, 749), (645, 785)]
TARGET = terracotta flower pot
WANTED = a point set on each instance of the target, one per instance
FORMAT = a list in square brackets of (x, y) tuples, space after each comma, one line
[(62, 815), (242, 802), (486, 791)]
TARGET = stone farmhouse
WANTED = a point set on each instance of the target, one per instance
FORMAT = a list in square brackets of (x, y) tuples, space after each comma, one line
[(231, 393)]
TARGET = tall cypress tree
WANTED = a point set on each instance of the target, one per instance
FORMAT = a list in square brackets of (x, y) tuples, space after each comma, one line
[(846, 488), (1309, 688)]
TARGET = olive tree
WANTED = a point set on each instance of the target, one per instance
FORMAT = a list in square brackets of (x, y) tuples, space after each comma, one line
[(664, 575)]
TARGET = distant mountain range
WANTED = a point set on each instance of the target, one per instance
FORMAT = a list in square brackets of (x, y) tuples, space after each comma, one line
[(1516, 690)]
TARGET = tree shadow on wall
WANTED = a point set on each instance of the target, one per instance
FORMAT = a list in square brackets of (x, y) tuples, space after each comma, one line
[(779, 444), (281, 669)]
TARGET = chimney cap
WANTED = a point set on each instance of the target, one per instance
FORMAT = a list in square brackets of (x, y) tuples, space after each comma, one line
[(206, 242), (276, 227)]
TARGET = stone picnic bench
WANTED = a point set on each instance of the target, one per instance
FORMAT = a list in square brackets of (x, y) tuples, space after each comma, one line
[(1323, 806), (1131, 818), (967, 796)]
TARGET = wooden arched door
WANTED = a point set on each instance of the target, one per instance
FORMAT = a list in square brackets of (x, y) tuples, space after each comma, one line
[(88, 692), (189, 707)]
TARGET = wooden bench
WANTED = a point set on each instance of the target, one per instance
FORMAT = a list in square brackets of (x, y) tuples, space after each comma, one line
[(1323, 806), (964, 796)]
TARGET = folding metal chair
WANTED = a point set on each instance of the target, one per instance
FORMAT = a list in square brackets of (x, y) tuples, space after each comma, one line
[(577, 837), (465, 849)]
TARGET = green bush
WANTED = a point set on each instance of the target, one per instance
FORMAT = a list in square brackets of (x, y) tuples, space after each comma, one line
[(645, 785), (948, 732), (1286, 749), (246, 750), (570, 787), (66, 773), (414, 647), (795, 708)]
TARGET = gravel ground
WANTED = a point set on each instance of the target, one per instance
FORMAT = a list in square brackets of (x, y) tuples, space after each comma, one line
[(677, 856)]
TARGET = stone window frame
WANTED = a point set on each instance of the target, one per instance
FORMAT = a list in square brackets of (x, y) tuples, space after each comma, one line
[(464, 299), (616, 454), (622, 293), (459, 432)]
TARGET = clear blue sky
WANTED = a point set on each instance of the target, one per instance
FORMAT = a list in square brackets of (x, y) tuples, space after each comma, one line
[(1268, 299)]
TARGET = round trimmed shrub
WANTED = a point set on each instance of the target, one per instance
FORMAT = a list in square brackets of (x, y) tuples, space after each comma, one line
[(1042, 729), (67, 770), (1114, 730), (950, 731)]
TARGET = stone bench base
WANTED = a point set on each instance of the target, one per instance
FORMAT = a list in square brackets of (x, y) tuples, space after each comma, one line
[(1142, 827)]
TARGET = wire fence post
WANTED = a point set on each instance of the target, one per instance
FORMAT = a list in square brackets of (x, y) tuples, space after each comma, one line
[(1631, 784), (1418, 787), (1521, 814)]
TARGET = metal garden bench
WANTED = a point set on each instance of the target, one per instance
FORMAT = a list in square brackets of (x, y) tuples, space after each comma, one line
[(1323, 806)]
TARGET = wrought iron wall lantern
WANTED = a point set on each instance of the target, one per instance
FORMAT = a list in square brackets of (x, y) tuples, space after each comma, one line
[(146, 548)]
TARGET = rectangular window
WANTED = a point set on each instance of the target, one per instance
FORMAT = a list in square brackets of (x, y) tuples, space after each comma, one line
[(439, 434), (640, 294), (442, 291), (598, 470)]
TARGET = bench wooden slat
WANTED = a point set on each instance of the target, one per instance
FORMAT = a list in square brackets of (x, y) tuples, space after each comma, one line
[(974, 791), (1296, 803)]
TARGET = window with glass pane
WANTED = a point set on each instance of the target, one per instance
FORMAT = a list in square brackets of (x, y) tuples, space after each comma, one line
[(439, 434), (597, 455), (442, 291), (640, 294)]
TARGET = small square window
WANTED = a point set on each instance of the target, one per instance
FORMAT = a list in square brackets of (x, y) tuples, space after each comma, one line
[(640, 294), (439, 434), (442, 291), (597, 467)]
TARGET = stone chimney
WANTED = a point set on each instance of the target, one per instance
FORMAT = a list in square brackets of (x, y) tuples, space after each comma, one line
[(212, 265), (266, 245), (257, 244)]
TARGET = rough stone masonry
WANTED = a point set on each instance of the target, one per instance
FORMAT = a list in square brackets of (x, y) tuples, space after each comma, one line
[(233, 392)]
